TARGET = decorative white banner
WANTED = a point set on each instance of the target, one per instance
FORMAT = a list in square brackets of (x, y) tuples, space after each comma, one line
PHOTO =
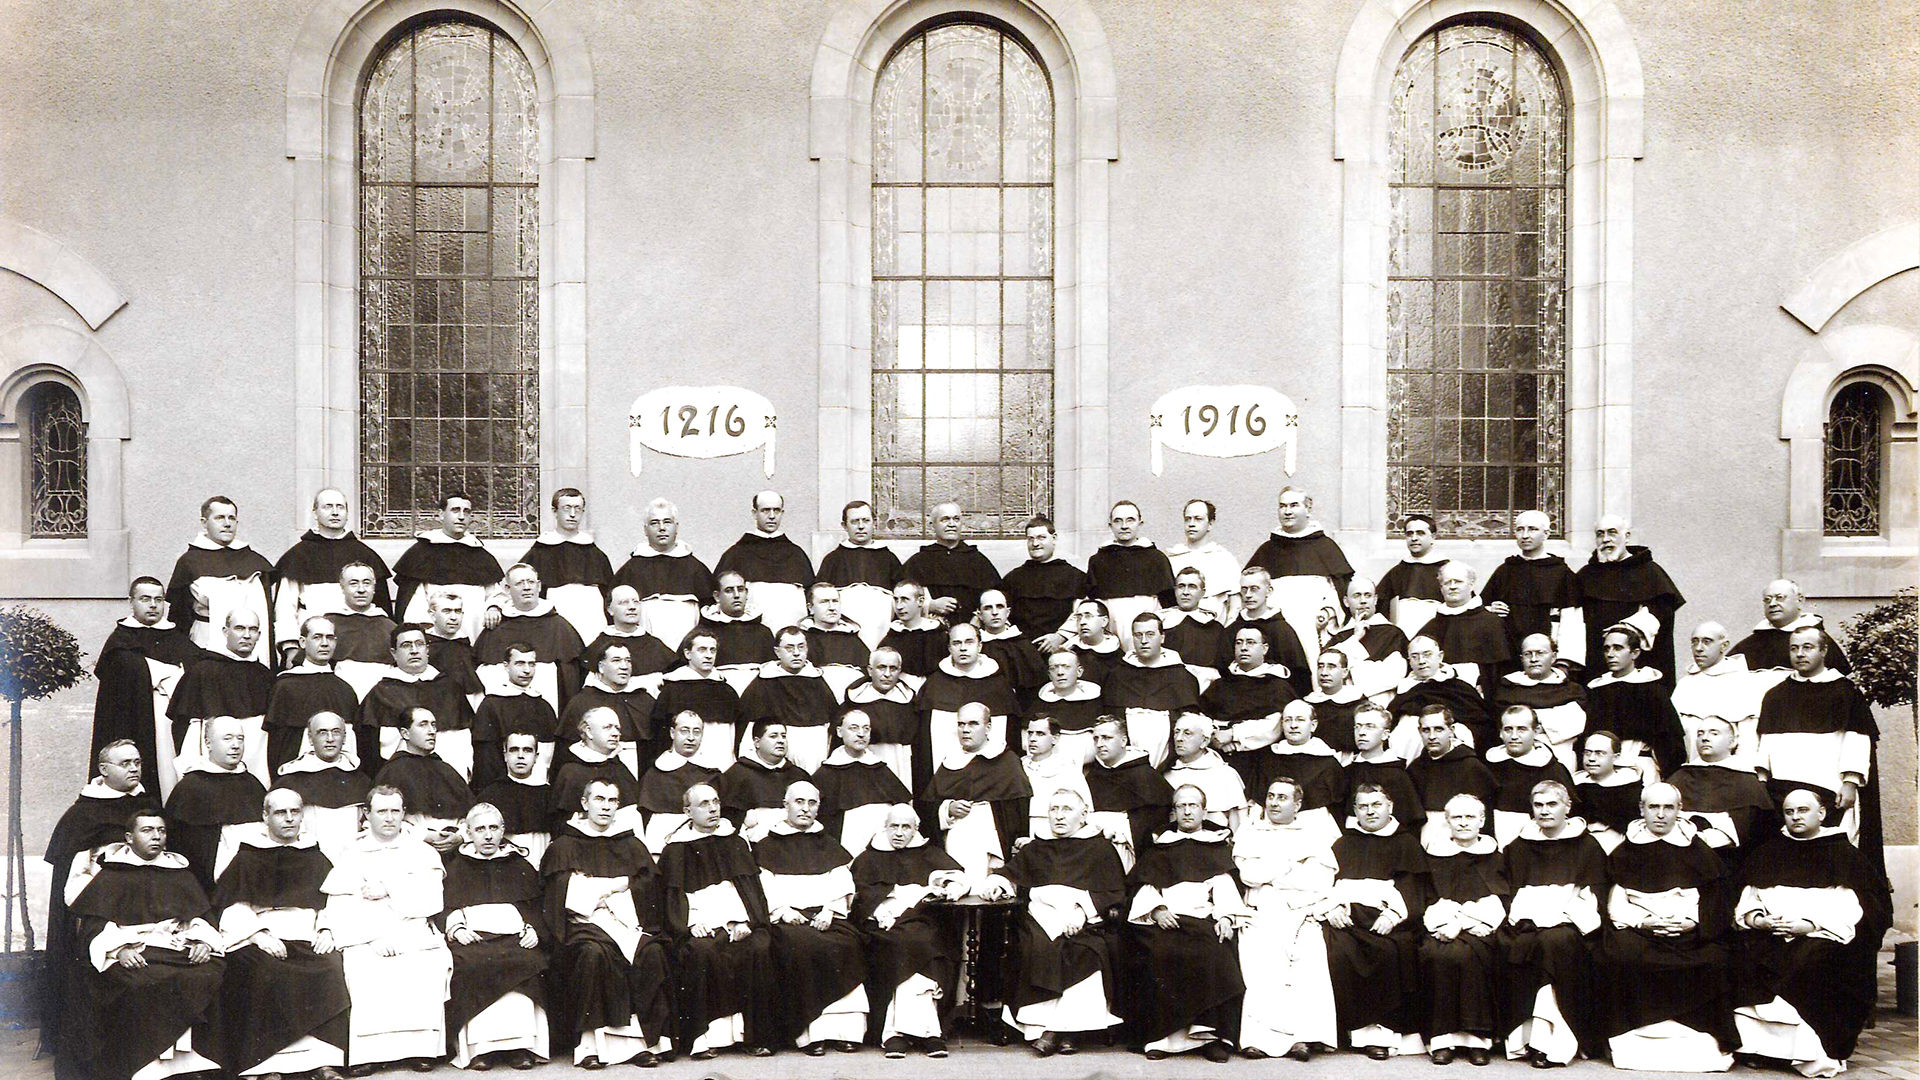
[(701, 422), (1224, 422)]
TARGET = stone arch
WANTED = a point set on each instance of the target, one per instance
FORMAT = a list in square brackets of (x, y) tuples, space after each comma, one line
[(1073, 46), (329, 57), (61, 271), (1862, 265), (1594, 49)]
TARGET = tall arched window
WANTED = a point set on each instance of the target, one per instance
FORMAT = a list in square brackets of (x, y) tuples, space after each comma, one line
[(1477, 277), (56, 463), (1855, 430), (963, 281), (449, 281)]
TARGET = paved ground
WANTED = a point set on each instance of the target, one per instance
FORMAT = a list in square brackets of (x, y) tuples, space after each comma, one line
[(1889, 1051)]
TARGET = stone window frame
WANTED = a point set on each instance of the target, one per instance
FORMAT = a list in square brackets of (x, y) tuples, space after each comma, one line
[(329, 60), (1072, 45), (1588, 40)]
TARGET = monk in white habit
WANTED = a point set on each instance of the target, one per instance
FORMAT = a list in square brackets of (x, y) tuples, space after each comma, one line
[(381, 899), (1287, 867)]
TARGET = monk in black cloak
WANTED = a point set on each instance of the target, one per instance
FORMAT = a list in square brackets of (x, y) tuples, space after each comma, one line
[(1632, 701), (1303, 757), (753, 790), (817, 951), (900, 736), (1472, 638), (1432, 681), (1187, 992), (307, 577), (1130, 574), (663, 566), (612, 685), (528, 618), (1606, 791), (414, 685), (628, 627), (1445, 768), (953, 570), (856, 786), (596, 755), (329, 782), (522, 799), (217, 794), (1558, 872), (307, 688), (1374, 763), (980, 799), (284, 979), (1770, 643), (436, 796), (859, 559), (494, 953), (1063, 977), (792, 692), (742, 636), (1729, 806), (448, 559), (362, 627), (1334, 699), (149, 967), (1532, 591), (697, 686), (1808, 920), (918, 637), (777, 569), (1260, 611), (574, 573), (1519, 764), (514, 708), (1817, 729), (1664, 955), (1375, 649), (1009, 646), (832, 638), (1620, 579), (611, 979), (219, 574), (1373, 932), (663, 788), (1095, 641), (1131, 798), (716, 916), (912, 953), (450, 644), (97, 819), (1460, 960), (140, 666), (221, 683), (1044, 589), (1245, 704)]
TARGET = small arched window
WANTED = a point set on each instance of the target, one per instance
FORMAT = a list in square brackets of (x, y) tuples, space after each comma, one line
[(1855, 431), (963, 278), (56, 463), (449, 281), (1476, 283)]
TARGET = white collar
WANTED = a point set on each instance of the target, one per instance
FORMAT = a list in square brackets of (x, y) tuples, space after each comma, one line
[(543, 606), (1205, 547), (1444, 847), (1431, 558), (1168, 658), (961, 758), (1082, 691), (771, 669), (1307, 530), (1136, 542), (1826, 675), (1085, 832), (1313, 747), (777, 534), (132, 623), (205, 543), (427, 674), (1443, 673), (309, 762), (1532, 759), (1348, 624), (1726, 665), (201, 763), (599, 682), (1054, 764), (871, 545), (1392, 827), (677, 551), (589, 755), (1825, 831), (555, 536), (882, 842), (581, 824), (1472, 602), (927, 622), (1208, 759), (512, 689), (306, 668), (1681, 835), (439, 536), (1348, 694), (1108, 647), (1556, 677), (254, 834), (219, 648), (121, 854), (1379, 756), (864, 692), (844, 626), (1730, 763), (1267, 670), (984, 667), (1621, 776), (1172, 617), (1132, 755), (507, 849), (783, 827), (1637, 677), (687, 834), (1574, 826), (1009, 633), (1203, 834), (1799, 622), (712, 613), (752, 757), (636, 632), (668, 761), (841, 756), (687, 674), (526, 781), (97, 788)]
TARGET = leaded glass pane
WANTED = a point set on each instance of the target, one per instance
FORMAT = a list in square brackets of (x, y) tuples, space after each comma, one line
[(57, 462), (1476, 283), (449, 290), (962, 290), (1852, 504)]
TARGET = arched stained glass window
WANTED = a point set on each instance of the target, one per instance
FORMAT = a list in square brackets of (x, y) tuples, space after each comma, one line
[(57, 464), (449, 282), (962, 282), (1476, 307), (1855, 427)]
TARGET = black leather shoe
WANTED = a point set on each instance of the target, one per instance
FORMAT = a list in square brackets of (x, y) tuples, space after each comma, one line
[(645, 1060), (1442, 1056), (935, 1047), (480, 1064), (703, 1055), (592, 1063), (1047, 1044), (817, 1049), (1254, 1053), (1545, 1062), (420, 1065), (1477, 1055), (360, 1070), (1067, 1046), (895, 1048), (1379, 1053), (1156, 1055), (522, 1060), (843, 1046), (1216, 1052), (761, 1051), (1300, 1052)]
